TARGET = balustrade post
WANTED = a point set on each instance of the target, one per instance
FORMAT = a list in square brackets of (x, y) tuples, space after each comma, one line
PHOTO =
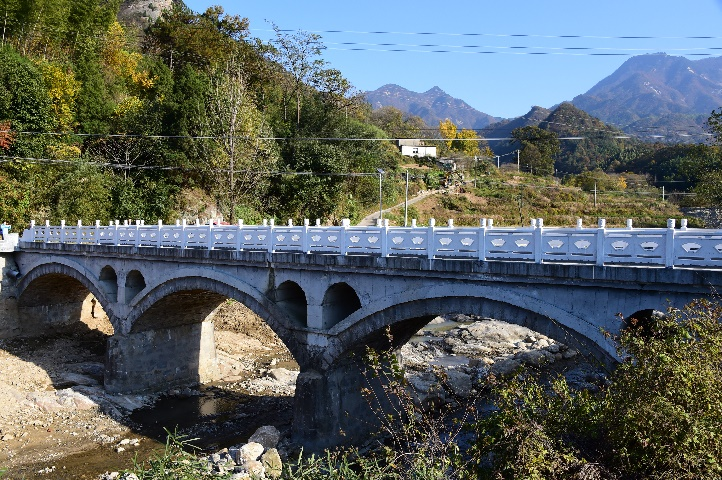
[(482, 240), (115, 233), (601, 234), (343, 233), (210, 234), (431, 246), (32, 230), (47, 231), (304, 236), (62, 231), (413, 223), (683, 224), (629, 224), (538, 234), (137, 233), (271, 240), (160, 234), (669, 252), (579, 224), (239, 235), (184, 234), (97, 232), (79, 232), (385, 238)]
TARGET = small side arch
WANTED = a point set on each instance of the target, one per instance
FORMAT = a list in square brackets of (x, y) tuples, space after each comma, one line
[(292, 299), (108, 280), (134, 284), (339, 302)]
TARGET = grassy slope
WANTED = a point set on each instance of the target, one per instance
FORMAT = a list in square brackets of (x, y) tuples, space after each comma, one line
[(512, 199)]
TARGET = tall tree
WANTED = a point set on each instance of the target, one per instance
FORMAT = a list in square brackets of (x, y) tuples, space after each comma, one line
[(241, 154), (299, 55), (205, 40), (538, 148)]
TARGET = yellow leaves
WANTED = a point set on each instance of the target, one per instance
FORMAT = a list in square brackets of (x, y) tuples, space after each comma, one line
[(468, 145), (63, 89), (63, 152), (463, 141), (127, 106), (448, 131), (622, 183), (122, 63)]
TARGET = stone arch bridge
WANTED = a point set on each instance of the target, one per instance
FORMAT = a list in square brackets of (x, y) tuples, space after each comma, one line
[(327, 306)]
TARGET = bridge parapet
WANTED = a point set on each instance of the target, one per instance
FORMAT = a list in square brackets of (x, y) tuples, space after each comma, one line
[(668, 247)]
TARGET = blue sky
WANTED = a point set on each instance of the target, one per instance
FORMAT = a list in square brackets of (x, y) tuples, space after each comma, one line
[(503, 84)]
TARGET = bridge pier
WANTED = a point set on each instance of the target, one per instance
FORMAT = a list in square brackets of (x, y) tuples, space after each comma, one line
[(329, 407), (154, 360)]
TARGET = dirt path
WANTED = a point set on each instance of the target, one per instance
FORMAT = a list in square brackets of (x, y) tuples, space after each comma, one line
[(370, 220)]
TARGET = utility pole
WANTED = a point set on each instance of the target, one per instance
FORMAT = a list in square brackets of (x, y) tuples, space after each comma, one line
[(518, 161), (663, 193), (406, 202), (381, 204)]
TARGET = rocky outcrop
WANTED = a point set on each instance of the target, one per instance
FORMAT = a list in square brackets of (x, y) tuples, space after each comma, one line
[(142, 12)]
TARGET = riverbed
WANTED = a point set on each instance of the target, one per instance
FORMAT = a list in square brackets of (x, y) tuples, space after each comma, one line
[(57, 422)]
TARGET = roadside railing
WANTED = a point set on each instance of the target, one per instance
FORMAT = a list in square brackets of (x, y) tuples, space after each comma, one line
[(668, 247)]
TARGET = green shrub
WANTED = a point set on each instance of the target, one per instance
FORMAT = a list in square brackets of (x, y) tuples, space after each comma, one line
[(664, 406), (659, 417)]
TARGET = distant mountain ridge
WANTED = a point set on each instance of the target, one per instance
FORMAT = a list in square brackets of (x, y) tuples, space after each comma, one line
[(654, 95), (657, 91), (433, 106)]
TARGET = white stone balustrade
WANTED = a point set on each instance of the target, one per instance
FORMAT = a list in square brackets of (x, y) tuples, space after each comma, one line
[(668, 247)]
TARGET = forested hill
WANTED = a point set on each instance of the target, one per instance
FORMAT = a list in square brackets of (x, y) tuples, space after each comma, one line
[(190, 117)]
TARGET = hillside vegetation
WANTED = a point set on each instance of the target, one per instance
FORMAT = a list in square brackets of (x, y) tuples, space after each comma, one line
[(512, 198), (191, 117)]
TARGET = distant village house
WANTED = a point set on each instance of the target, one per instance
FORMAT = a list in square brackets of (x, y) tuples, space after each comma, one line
[(415, 148)]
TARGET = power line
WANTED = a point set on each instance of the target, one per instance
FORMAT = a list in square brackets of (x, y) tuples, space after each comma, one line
[(509, 35)]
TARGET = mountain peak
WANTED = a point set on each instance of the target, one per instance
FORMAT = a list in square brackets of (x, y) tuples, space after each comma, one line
[(433, 106), (655, 85), (435, 91)]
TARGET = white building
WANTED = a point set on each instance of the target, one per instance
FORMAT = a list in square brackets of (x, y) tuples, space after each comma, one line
[(415, 148)]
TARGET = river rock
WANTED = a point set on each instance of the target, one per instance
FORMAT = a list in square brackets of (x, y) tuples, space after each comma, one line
[(534, 357), (283, 375), (255, 468), (70, 379), (250, 452), (459, 383), (271, 460), (426, 390), (267, 435), (505, 366), (497, 333)]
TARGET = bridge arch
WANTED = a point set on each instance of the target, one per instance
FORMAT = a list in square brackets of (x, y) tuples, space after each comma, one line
[(108, 279), (406, 313), (54, 293), (291, 297), (339, 301), (134, 284), (187, 299)]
